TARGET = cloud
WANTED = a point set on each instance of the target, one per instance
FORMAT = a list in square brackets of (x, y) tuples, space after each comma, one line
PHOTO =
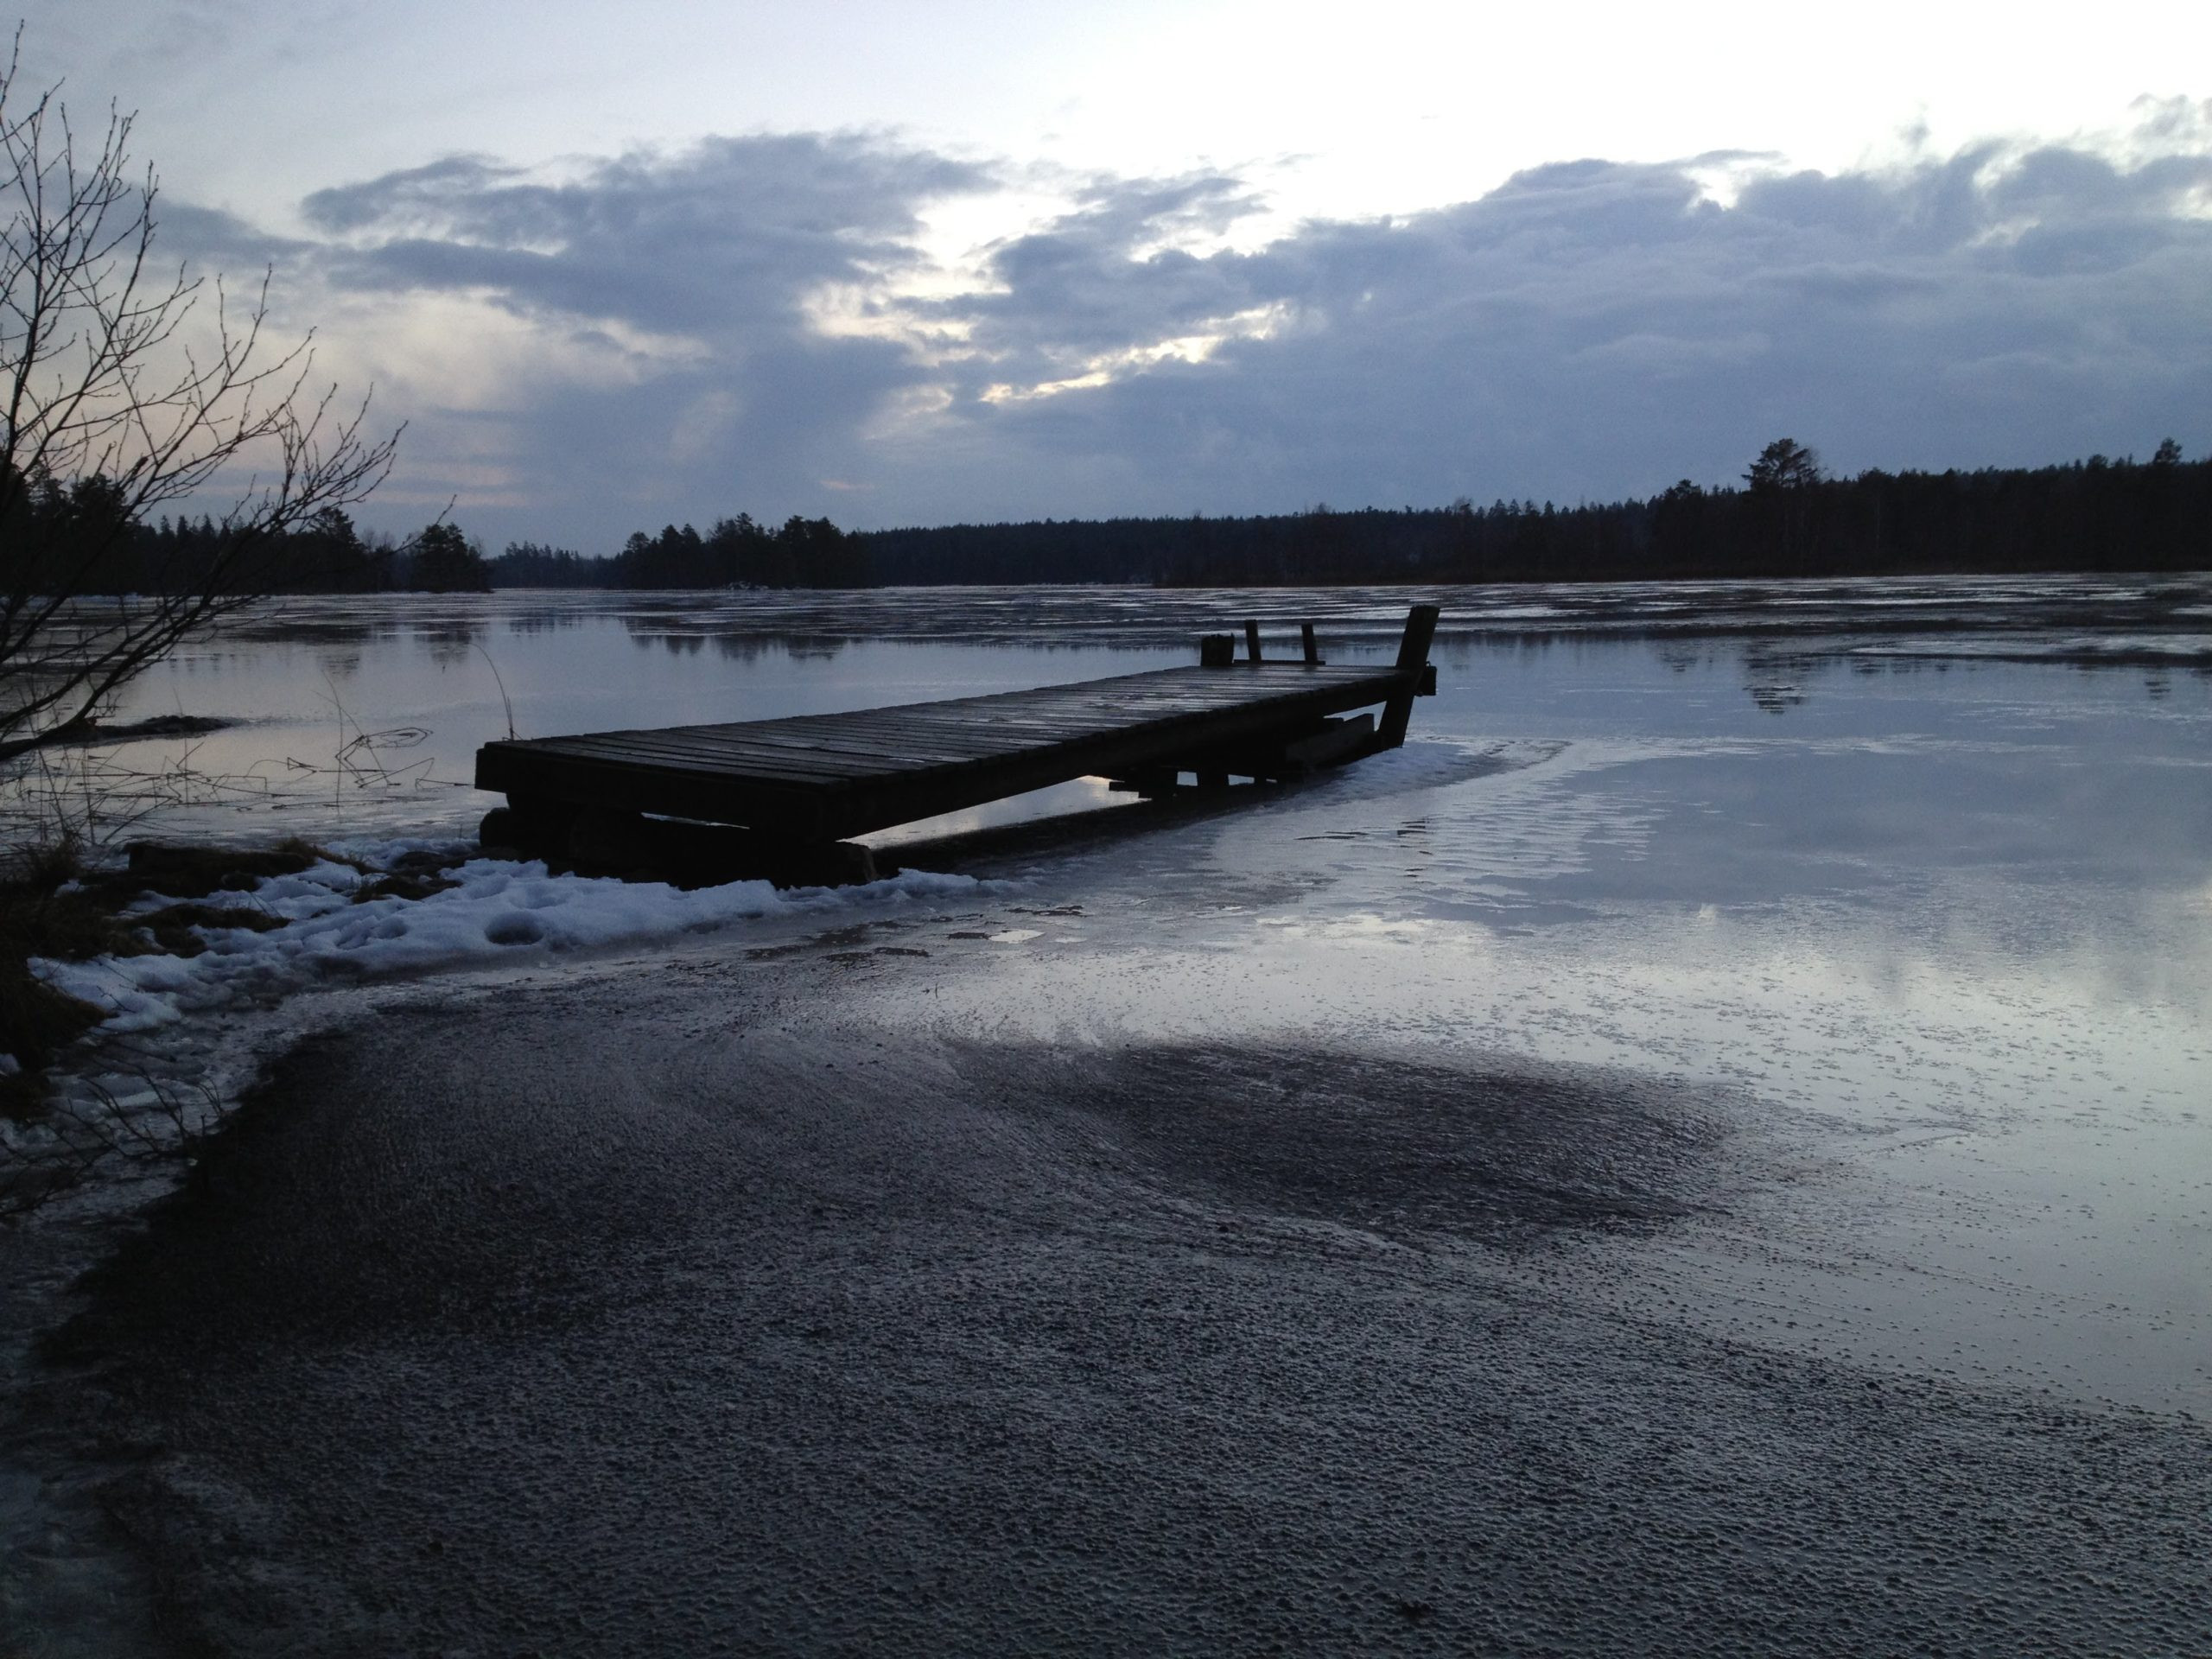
[(677, 369), (1590, 329), (720, 239), (733, 325), (212, 240)]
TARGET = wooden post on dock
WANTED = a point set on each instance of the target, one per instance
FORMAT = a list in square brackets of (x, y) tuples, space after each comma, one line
[(1313, 647), (1252, 641), (1413, 657)]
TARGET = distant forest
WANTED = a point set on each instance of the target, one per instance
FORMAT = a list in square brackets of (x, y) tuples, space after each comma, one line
[(1788, 518)]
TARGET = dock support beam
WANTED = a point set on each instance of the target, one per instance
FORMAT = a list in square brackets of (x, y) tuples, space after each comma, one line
[(1413, 657)]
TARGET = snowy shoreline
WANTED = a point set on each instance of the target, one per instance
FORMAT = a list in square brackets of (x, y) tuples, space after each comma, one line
[(500, 911), (187, 1035)]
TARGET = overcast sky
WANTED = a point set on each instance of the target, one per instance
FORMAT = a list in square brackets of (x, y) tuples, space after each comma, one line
[(618, 266)]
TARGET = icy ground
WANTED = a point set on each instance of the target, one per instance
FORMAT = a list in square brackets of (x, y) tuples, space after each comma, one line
[(758, 1305)]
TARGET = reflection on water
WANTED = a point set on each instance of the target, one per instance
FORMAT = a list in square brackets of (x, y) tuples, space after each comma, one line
[(2169, 618), (450, 641), (304, 679)]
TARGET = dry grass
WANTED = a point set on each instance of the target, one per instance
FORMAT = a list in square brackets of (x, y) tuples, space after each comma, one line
[(184, 872)]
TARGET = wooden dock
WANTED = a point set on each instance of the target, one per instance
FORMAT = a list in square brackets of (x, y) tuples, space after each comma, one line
[(812, 779)]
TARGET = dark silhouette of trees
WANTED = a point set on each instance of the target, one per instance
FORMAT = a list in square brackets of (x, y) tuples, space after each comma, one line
[(528, 564), (742, 553), (1785, 464), (441, 560), (1781, 509), (326, 554), (1791, 520), (2093, 515), (2100, 514), (106, 418)]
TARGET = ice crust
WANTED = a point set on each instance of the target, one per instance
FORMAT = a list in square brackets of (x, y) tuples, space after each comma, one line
[(503, 911)]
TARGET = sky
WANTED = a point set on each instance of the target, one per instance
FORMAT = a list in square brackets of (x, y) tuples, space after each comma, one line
[(621, 266)]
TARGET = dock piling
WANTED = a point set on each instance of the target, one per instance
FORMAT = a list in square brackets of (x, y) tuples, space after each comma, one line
[(1413, 660)]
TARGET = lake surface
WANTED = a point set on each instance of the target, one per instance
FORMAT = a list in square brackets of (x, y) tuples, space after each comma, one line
[(1857, 934), (362, 715)]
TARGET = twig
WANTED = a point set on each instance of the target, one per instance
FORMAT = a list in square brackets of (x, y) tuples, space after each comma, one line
[(506, 701)]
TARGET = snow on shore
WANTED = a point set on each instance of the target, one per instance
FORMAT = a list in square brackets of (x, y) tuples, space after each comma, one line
[(501, 912)]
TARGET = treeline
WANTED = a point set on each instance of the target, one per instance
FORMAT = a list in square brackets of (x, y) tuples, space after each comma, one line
[(1788, 518), (330, 554), (327, 555), (736, 553)]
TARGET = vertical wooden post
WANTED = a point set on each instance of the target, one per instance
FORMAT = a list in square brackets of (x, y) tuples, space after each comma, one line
[(1413, 657), (1313, 647), (1252, 641)]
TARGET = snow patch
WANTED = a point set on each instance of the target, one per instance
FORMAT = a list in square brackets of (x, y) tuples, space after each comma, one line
[(501, 912)]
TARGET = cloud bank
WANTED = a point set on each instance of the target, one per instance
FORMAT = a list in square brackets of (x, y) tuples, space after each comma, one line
[(759, 323)]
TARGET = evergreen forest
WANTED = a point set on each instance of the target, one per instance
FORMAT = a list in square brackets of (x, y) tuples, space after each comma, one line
[(1787, 518)]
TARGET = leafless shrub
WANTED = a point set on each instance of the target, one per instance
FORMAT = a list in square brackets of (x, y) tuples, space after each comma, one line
[(110, 411)]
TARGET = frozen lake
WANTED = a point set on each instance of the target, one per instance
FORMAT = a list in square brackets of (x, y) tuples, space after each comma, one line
[(1820, 973), (360, 716)]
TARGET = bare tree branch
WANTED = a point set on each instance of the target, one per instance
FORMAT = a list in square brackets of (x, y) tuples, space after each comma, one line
[(108, 413)]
